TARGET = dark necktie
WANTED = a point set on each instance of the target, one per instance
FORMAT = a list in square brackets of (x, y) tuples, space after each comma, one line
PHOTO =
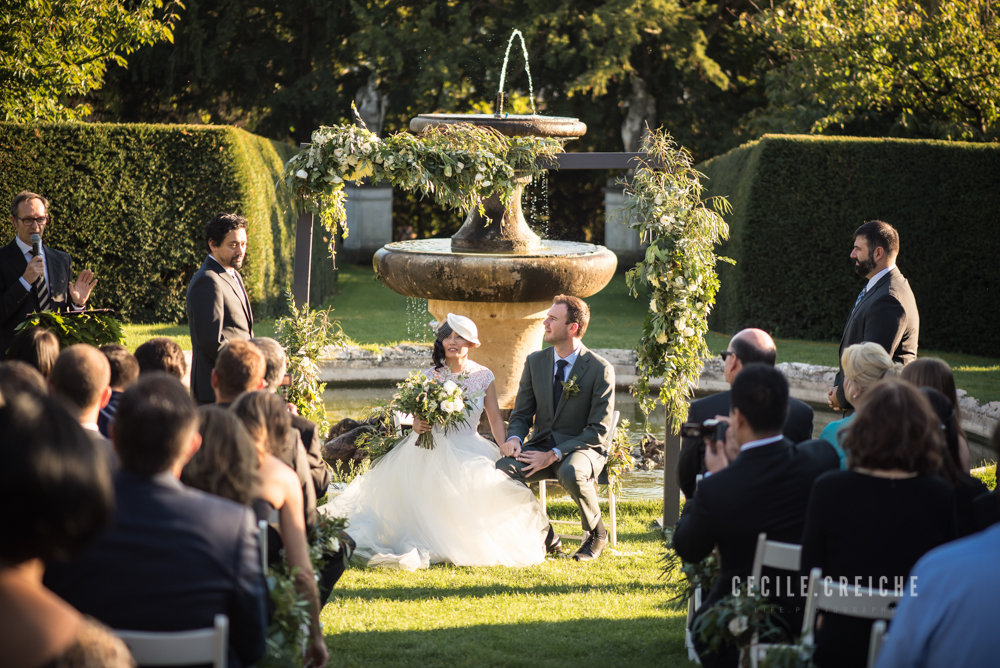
[(557, 388), (42, 293), (861, 295)]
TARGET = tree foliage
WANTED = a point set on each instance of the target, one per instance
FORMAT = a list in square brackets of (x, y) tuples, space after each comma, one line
[(921, 68), (54, 51)]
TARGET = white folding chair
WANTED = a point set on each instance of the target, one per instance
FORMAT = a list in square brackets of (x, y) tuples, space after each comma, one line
[(602, 479), (875, 641), (777, 555), (180, 648), (829, 595), (694, 603), (262, 543)]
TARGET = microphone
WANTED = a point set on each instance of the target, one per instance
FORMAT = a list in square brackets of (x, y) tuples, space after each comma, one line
[(36, 244)]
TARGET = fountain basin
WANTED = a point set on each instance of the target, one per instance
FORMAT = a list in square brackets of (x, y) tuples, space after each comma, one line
[(510, 125)]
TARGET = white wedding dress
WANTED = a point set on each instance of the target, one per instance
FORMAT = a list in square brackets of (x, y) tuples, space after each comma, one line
[(450, 504)]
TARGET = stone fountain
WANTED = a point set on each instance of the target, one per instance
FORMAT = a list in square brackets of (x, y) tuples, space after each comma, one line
[(495, 269)]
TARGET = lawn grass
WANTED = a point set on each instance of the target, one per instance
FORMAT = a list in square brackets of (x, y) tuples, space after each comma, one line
[(615, 610), (373, 315)]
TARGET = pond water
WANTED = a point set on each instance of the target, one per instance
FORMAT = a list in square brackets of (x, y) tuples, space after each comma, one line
[(353, 402)]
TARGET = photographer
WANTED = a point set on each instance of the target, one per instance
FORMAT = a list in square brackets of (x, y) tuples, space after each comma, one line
[(758, 481)]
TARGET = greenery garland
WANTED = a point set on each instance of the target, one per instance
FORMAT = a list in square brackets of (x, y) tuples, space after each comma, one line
[(459, 165), (91, 327), (678, 271)]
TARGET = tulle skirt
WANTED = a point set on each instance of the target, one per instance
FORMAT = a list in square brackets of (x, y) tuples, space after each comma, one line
[(417, 506)]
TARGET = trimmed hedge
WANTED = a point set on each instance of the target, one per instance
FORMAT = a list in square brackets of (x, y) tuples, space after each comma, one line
[(796, 203), (129, 202)]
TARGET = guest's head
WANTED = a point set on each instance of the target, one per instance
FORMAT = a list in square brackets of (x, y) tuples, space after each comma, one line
[(275, 361), (226, 235), (266, 419), (161, 354), (566, 320), (81, 380), (864, 365), (17, 377), (54, 483), (155, 427), (124, 365), (876, 245), (226, 463), (895, 429), (239, 368), (934, 372), (758, 402), (952, 464), (37, 346), (748, 346)]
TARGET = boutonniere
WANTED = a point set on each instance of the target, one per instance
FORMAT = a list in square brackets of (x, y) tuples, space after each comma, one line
[(570, 387)]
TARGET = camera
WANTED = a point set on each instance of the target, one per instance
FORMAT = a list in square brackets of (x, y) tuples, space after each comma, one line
[(711, 428)]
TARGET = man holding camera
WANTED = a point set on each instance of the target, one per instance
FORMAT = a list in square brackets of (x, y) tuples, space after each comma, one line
[(758, 481), (747, 346)]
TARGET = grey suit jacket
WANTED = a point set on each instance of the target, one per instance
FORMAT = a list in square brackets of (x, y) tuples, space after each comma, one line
[(580, 422), (217, 310), (16, 303), (886, 315)]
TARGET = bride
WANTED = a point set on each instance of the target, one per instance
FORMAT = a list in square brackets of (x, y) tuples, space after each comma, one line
[(450, 503)]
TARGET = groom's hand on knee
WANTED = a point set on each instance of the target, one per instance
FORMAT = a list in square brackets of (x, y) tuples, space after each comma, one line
[(536, 460), (511, 447)]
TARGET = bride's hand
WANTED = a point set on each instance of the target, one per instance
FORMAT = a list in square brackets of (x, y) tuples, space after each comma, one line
[(510, 448), (419, 425)]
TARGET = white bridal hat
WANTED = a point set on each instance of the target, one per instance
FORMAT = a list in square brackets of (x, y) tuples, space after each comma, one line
[(464, 327)]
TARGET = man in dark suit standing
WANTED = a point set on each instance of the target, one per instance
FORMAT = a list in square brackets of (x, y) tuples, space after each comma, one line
[(566, 398), (746, 347), (173, 557), (33, 276), (758, 481), (885, 311), (218, 307)]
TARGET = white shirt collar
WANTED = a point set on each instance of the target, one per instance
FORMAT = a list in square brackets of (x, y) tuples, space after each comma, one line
[(570, 359), (764, 441), (875, 279)]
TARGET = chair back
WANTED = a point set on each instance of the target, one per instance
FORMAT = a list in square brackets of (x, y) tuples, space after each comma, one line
[(602, 477), (180, 648), (774, 554), (262, 543), (828, 595), (875, 642)]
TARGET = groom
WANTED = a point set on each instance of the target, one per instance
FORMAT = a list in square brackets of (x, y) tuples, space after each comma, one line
[(566, 397)]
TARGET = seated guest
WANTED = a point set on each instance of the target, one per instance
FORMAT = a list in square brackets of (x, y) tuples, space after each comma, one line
[(37, 346), (124, 371), (17, 376), (266, 419), (53, 511), (864, 364), (933, 372), (945, 619), (173, 557), (80, 380), (226, 464), (162, 354), (758, 481), (876, 519), (746, 347), (239, 368)]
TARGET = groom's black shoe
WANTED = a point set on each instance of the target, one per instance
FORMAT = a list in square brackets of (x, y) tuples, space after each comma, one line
[(592, 547), (553, 544)]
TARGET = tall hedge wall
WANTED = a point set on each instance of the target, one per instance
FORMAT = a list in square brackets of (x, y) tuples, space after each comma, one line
[(797, 201), (129, 202)]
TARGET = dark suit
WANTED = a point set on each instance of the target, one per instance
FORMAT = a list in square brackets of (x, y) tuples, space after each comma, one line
[(578, 426), (16, 303), (764, 489), (314, 453), (798, 428), (217, 310), (887, 315), (172, 558)]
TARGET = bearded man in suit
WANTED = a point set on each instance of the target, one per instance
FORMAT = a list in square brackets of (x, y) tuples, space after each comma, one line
[(33, 281), (566, 398), (218, 307), (885, 311)]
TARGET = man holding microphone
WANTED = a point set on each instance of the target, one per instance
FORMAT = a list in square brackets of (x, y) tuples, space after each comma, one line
[(35, 277)]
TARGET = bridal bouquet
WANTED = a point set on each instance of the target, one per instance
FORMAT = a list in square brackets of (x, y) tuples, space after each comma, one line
[(442, 403)]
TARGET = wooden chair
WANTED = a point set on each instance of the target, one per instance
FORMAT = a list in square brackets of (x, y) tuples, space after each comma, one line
[(828, 595), (770, 554), (602, 479), (180, 648)]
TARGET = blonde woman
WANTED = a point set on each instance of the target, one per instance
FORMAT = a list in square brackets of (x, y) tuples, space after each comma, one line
[(864, 365)]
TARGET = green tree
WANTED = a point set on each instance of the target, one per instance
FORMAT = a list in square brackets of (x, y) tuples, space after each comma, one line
[(919, 68), (54, 51)]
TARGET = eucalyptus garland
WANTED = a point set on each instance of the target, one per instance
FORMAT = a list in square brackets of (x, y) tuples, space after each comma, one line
[(678, 272), (459, 165)]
